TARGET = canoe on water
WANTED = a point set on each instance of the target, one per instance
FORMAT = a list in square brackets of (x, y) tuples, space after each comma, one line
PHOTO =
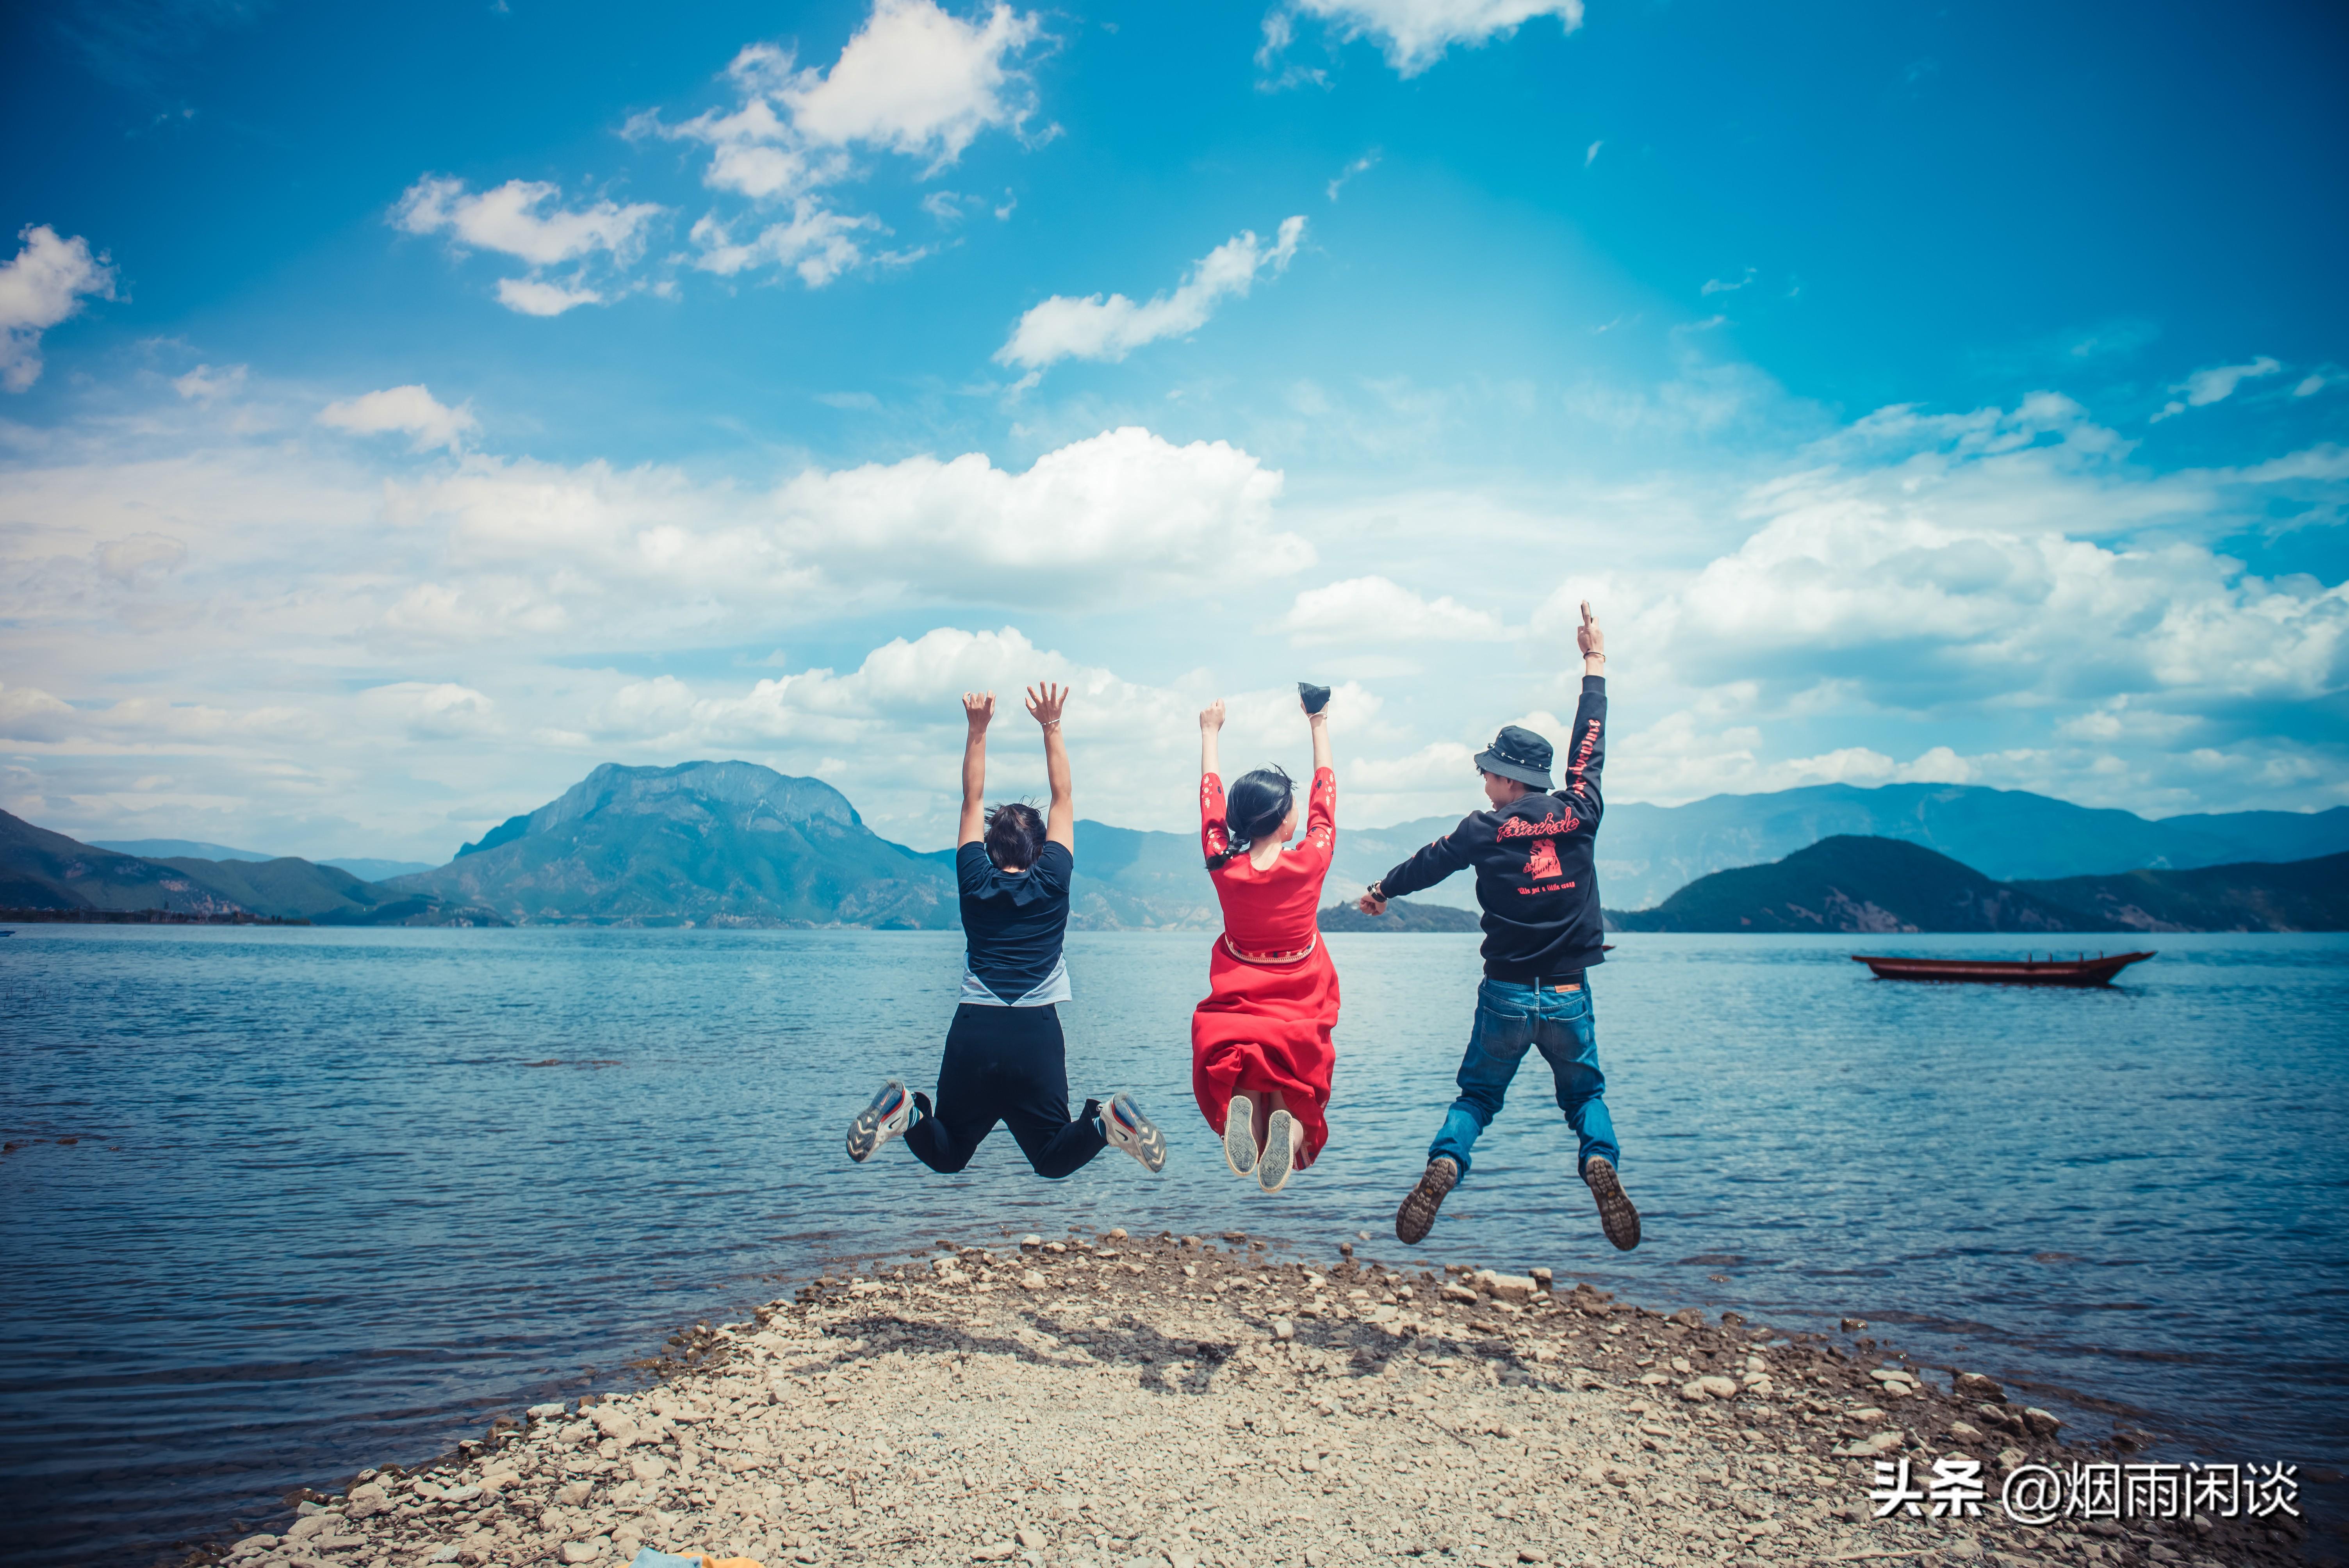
[(2049, 971)]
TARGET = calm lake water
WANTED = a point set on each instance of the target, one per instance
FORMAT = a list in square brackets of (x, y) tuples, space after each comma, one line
[(324, 1206)]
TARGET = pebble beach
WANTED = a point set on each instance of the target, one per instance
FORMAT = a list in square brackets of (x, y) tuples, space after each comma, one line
[(1107, 1401)]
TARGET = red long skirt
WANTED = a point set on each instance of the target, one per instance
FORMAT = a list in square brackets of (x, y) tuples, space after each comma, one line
[(1266, 1027)]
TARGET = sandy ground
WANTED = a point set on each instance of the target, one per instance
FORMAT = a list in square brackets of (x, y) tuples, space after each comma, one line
[(1115, 1402)]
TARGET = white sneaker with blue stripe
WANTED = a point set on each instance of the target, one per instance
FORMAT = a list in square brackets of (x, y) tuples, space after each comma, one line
[(1129, 1130), (891, 1112)]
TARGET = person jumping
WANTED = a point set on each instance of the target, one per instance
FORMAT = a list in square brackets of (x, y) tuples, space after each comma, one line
[(1005, 1059), (1261, 1052), (1538, 887)]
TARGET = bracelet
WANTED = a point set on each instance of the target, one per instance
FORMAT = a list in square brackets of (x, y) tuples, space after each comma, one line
[(1049, 723)]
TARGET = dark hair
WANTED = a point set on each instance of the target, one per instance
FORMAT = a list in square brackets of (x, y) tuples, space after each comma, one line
[(1014, 835), (1259, 804)]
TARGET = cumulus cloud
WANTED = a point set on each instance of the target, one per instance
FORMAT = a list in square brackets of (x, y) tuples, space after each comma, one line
[(815, 243), (2214, 383), (914, 81), (524, 219), (1366, 611), (1098, 328), (1415, 34), (402, 411), (428, 710), (45, 283), (515, 219)]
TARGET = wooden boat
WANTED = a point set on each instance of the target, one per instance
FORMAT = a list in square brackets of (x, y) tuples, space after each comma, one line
[(2049, 971)]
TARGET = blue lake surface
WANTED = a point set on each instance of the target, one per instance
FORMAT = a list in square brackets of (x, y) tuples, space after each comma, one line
[(324, 1207)]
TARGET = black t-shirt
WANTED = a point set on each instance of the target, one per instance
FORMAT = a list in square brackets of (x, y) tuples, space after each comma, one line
[(1014, 920)]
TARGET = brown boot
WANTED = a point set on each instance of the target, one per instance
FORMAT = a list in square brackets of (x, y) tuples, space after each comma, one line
[(1419, 1206), (1616, 1217)]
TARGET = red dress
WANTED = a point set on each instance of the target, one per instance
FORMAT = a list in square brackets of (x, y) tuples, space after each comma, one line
[(1273, 993)]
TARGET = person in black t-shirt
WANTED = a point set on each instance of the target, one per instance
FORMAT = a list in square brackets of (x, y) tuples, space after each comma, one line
[(1006, 1060)]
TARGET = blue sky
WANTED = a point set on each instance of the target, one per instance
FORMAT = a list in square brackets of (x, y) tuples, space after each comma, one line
[(407, 411)]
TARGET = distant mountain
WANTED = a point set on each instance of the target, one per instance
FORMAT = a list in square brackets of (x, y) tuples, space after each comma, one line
[(164, 849), (376, 871), (2303, 895), (1402, 916), (1857, 884), (41, 870), (1645, 853), (294, 889), (708, 842)]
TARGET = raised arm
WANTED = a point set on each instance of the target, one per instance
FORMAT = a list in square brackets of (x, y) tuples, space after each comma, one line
[(978, 709), (1045, 704), (1211, 724), (1319, 723), (1586, 743)]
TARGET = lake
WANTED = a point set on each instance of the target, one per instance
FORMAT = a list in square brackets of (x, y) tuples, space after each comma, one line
[(286, 1203)]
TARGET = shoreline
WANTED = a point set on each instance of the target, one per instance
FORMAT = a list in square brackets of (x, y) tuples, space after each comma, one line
[(1105, 1401)]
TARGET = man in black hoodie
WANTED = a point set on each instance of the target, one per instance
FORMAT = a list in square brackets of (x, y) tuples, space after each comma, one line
[(1539, 886)]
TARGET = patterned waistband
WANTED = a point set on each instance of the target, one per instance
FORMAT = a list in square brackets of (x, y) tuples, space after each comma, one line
[(1247, 958)]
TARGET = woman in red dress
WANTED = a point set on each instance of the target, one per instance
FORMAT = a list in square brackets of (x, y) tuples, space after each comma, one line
[(1260, 1049)]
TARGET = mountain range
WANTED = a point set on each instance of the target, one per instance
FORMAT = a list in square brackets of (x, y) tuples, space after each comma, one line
[(46, 870), (1852, 883), (738, 843)]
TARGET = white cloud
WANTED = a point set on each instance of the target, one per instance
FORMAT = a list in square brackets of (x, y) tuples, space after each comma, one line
[(45, 283), (2309, 385), (2214, 384), (1373, 611), (406, 410), (425, 710), (915, 80), (203, 382), (1591, 154), (532, 296), (1363, 165), (514, 220), (815, 243), (918, 81), (1721, 285), (1098, 328), (1415, 34), (523, 219)]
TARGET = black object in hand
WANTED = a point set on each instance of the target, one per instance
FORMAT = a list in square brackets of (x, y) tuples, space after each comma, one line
[(1315, 697)]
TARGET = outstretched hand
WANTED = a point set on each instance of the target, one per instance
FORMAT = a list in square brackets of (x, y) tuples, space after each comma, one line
[(1045, 702), (1211, 718), (977, 710)]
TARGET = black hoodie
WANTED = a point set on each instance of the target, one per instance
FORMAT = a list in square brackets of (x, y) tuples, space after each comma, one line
[(1534, 875)]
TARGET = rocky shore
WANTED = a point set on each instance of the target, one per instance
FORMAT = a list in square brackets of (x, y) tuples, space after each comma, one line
[(1186, 1402)]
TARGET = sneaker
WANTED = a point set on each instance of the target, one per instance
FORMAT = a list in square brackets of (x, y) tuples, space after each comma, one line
[(1417, 1212), (1284, 1139), (1616, 1215), (891, 1112), (1239, 1134), (1129, 1130)]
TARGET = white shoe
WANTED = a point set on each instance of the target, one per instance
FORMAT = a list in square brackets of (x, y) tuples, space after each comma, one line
[(1284, 1139), (891, 1112), (1129, 1130), (1239, 1134)]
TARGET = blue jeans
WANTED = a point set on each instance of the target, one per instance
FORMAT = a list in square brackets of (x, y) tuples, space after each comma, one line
[(1509, 1018)]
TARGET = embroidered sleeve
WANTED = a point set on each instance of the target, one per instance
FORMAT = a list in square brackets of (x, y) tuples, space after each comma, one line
[(1321, 811), (1213, 839)]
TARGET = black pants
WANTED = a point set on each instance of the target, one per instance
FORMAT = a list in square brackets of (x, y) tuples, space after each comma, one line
[(1008, 1064)]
